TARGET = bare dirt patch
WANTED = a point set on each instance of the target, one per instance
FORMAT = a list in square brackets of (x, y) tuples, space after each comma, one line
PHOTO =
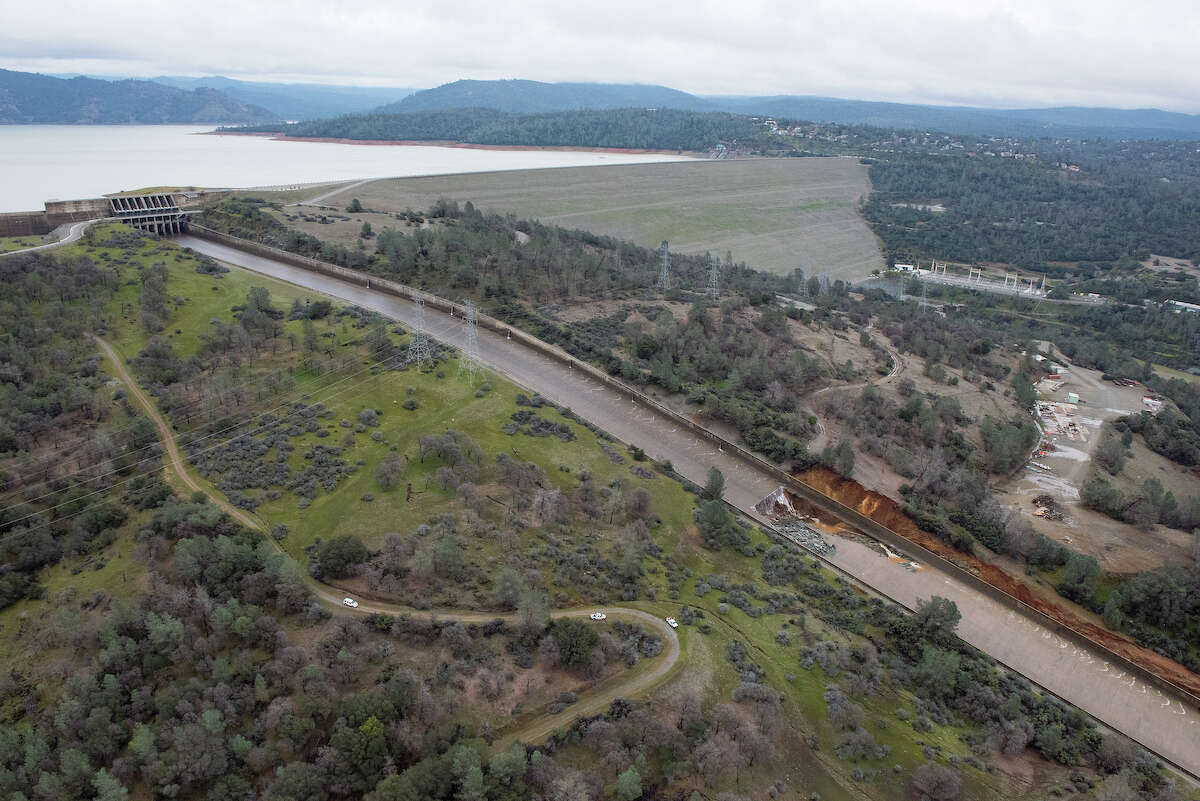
[(1074, 432), (340, 226), (1170, 264)]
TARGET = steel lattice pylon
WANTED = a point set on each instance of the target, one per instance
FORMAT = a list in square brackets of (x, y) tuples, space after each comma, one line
[(664, 268), (714, 277), (420, 350), (468, 362)]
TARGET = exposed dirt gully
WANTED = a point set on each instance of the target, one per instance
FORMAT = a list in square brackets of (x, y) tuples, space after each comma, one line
[(887, 512)]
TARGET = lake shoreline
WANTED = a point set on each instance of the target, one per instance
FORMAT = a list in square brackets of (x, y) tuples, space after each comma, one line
[(463, 145), (41, 162)]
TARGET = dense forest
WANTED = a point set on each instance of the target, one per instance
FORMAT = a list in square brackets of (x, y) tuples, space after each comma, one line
[(1030, 212), (661, 129)]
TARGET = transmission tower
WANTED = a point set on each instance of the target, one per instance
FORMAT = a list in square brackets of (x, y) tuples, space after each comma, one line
[(468, 362), (419, 350), (664, 268), (714, 277)]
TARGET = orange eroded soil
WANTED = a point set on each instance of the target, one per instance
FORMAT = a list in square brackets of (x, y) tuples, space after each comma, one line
[(885, 511)]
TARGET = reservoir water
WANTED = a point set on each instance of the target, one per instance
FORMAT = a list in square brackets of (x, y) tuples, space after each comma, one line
[(43, 162)]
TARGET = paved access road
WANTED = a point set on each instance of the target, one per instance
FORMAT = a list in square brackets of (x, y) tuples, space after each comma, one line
[(1079, 676), (73, 235), (591, 702)]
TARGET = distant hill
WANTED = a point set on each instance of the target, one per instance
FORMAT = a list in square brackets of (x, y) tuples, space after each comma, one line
[(1067, 122), (534, 97), (31, 98), (636, 128), (295, 101)]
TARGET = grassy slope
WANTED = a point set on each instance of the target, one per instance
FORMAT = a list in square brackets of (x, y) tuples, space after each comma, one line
[(115, 571), (8, 243), (448, 402), (774, 214)]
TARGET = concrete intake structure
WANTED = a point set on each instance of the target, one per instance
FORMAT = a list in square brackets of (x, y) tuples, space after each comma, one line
[(157, 213)]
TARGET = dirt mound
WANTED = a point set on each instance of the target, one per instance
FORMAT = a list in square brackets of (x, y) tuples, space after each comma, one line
[(885, 511)]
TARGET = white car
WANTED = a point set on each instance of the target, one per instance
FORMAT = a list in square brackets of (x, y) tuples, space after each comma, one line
[(350, 602), (598, 616), (671, 622)]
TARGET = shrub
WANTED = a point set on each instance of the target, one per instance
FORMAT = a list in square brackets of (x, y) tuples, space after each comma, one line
[(575, 640), (338, 557)]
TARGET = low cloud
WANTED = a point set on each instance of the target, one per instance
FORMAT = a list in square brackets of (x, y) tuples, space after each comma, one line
[(986, 52)]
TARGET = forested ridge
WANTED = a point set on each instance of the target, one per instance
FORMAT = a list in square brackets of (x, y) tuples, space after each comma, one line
[(661, 129), (1031, 212)]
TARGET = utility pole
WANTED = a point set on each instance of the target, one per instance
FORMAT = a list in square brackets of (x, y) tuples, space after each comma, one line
[(664, 268), (419, 350), (468, 362)]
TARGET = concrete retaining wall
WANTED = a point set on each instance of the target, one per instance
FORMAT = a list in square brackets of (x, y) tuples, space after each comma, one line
[(24, 223), (69, 211), (851, 516)]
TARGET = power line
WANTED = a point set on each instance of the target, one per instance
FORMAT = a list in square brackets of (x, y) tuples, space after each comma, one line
[(140, 474), (113, 432), (39, 464), (204, 450), (179, 441)]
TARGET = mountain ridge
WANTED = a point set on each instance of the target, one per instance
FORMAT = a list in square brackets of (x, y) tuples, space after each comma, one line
[(32, 98), (525, 96), (294, 101)]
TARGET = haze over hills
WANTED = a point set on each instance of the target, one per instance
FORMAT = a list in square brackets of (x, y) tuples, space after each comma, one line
[(534, 96), (31, 98), (295, 101)]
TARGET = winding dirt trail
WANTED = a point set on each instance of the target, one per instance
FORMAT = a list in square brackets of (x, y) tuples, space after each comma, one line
[(899, 365), (590, 702)]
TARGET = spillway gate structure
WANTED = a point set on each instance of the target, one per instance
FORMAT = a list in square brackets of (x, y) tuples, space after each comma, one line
[(156, 213)]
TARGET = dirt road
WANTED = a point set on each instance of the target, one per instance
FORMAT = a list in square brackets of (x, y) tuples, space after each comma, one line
[(1079, 676), (591, 702)]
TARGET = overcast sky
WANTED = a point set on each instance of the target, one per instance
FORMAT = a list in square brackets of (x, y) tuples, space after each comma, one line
[(1124, 53)]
